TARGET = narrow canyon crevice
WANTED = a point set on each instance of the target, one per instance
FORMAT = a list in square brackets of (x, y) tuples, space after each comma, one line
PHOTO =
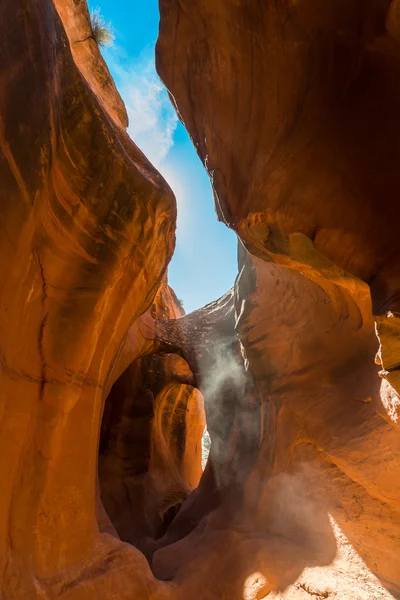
[(150, 450), (106, 386)]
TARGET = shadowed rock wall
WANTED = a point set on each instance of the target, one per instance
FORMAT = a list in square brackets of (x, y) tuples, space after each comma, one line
[(86, 232), (150, 444), (284, 103), (293, 108)]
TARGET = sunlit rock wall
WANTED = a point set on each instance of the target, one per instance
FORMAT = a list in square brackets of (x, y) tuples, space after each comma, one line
[(292, 107), (86, 232)]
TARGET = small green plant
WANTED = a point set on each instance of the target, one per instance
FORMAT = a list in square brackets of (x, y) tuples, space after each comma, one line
[(180, 303), (102, 32)]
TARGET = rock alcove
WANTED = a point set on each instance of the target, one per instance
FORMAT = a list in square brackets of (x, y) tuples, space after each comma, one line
[(105, 384)]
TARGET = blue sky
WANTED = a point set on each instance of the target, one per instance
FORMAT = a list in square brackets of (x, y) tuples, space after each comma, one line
[(204, 265)]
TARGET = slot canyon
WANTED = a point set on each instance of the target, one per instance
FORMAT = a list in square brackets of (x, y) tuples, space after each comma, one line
[(106, 385)]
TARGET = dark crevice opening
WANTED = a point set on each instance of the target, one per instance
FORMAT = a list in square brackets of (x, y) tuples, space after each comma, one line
[(130, 460), (167, 519)]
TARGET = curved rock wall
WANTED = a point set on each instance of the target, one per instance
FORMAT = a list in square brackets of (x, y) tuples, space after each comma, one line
[(284, 136), (87, 229), (293, 134), (293, 108), (150, 444), (284, 103)]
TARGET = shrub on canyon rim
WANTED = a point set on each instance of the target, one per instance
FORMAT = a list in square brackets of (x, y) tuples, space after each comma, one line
[(102, 32)]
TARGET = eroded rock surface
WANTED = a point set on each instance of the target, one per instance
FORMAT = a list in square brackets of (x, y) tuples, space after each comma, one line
[(294, 496), (284, 104), (86, 232), (150, 445), (293, 108), (294, 134)]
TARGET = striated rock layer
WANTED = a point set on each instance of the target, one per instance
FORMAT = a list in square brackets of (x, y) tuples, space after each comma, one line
[(291, 498), (86, 232), (150, 444), (292, 107)]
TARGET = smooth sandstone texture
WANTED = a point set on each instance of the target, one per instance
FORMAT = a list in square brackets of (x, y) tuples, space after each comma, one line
[(150, 444), (292, 107), (86, 232), (87, 57), (301, 490), (299, 132)]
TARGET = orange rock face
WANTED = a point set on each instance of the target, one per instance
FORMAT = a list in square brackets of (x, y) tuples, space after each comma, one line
[(283, 133), (293, 108), (150, 444), (284, 104), (87, 229)]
